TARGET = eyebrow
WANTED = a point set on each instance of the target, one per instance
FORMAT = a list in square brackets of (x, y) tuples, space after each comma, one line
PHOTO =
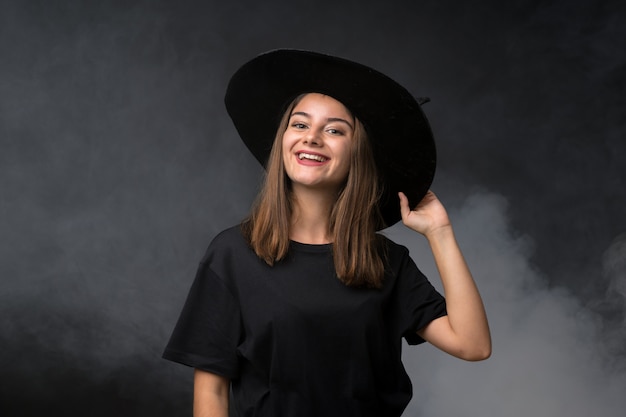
[(330, 119)]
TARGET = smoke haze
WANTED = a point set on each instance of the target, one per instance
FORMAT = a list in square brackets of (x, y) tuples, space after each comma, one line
[(549, 355)]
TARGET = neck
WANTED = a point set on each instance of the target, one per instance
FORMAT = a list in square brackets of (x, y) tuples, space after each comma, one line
[(311, 216)]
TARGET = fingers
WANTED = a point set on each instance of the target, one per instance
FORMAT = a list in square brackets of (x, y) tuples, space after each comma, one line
[(404, 205)]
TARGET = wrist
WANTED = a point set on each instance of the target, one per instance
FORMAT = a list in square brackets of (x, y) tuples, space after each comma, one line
[(440, 233)]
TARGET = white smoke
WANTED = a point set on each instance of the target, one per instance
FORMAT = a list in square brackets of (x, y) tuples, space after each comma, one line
[(549, 358)]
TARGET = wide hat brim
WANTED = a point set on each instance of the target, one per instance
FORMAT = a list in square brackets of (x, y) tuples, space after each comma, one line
[(401, 137)]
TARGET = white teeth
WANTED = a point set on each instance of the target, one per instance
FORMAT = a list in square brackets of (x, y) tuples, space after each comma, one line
[(317, 158)]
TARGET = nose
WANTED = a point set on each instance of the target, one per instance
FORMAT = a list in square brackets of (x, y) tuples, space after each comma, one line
[(312, 138)]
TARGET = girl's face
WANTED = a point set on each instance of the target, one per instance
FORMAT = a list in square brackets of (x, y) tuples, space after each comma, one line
[(317, 144)]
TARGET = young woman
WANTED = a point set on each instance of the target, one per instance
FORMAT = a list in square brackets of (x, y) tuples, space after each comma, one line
[(302, 308)]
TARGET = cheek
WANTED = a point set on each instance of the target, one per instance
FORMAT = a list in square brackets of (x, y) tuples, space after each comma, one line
[(287, 142), (285, 147), (347, 152), (286, 151)]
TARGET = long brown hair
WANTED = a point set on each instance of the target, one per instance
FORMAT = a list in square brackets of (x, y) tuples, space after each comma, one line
[(354, 219)]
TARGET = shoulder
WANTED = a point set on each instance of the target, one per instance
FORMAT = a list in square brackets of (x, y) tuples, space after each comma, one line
[(392, 249), (229, 242), (229, 259), (229, 236), (397, 258)]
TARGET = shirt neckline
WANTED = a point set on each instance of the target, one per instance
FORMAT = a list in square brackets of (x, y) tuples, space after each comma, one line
[(310, 247)]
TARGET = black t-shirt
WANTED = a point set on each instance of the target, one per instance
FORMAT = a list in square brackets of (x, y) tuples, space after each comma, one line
[(294, 340)]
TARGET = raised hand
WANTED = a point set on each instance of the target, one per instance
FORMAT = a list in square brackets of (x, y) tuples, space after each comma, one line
[(429, 215)]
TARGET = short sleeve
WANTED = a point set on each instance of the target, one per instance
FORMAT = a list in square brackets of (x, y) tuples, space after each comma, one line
[(417, 301), (208, 330)]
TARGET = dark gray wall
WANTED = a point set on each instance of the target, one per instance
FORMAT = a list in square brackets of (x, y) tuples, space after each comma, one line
[(118, 164)]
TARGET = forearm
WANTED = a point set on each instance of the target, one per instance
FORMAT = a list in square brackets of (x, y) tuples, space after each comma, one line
[(466, 313), (211, 395)]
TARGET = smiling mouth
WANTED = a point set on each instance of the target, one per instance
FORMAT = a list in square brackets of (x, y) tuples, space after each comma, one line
[(311, 157)]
